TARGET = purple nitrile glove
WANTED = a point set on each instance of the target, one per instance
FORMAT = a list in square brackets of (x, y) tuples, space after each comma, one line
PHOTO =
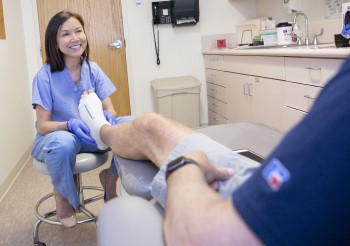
[(109, 117), (81, 130), (126, 118)]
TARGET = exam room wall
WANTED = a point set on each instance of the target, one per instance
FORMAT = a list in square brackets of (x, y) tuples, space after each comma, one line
[(16, 124), (180, 47)]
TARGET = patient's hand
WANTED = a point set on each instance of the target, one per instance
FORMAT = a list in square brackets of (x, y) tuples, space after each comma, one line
[(211, 173)]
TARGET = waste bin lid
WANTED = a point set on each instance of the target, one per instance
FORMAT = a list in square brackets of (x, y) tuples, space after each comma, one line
[(176, 83)]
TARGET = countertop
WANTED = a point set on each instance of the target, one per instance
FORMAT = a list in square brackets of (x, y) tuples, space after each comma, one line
[(322, 50)]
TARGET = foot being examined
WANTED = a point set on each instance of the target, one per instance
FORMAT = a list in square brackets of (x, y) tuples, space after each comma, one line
[(91, 112)]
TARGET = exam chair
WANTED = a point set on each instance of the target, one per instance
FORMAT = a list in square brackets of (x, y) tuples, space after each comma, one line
[(142, 213), (136, 176)]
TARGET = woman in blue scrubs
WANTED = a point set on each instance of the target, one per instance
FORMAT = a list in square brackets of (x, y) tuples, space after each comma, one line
[(57, 88)]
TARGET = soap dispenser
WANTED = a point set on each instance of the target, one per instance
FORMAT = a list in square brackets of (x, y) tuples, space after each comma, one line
[(296, 35)]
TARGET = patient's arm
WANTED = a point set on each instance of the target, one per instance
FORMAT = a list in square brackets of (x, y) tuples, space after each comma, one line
[(197, 215)]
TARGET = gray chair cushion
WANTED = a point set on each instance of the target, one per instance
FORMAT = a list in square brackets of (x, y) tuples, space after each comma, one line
[(85, 162)]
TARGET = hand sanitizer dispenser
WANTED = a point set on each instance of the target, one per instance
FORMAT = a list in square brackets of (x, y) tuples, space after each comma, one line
[(293, 5)]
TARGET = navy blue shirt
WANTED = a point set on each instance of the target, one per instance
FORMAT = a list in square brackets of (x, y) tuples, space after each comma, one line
[(301, 193)]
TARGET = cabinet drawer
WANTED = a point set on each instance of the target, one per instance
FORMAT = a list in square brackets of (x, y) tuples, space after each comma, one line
[(300, 96), (215, 119), (213, 61), (312, 71), (215, 77), (269, 67), (217, 106), (291, 117), (217, 92)]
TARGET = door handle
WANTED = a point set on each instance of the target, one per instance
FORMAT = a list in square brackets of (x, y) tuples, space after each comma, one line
[(117, 44)]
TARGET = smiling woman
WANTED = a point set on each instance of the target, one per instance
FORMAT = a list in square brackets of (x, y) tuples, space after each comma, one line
[(2, 24)]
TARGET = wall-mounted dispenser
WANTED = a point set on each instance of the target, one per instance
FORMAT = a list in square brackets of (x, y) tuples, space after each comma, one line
[(293, 5), (185, 12)]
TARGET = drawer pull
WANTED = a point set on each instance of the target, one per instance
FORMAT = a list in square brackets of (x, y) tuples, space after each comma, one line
[(314, 68), (309, 97), (250, 89), (216, 119), (245, 87)]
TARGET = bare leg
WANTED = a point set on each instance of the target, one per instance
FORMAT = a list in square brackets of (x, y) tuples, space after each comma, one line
[(148, 137)]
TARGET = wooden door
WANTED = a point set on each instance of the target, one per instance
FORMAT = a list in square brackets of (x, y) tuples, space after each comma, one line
[(103, 26)]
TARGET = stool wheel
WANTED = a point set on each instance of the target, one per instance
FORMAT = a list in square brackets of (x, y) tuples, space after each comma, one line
[(40, 244)]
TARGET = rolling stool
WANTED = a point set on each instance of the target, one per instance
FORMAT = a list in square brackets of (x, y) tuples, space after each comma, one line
[(84, 162)]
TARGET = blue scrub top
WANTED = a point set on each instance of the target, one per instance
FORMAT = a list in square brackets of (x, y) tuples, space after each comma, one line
[(57, 93)]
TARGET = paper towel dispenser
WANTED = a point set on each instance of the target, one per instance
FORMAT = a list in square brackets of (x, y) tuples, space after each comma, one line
[(293, 5), (185, 12)]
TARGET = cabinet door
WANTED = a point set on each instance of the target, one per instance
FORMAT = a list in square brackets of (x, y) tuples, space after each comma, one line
[(268, 100), (300, 96), (311, 71), (238, 99), (291, 117)]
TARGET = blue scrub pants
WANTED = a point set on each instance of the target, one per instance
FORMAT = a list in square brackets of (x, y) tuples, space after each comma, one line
[(58, 150)]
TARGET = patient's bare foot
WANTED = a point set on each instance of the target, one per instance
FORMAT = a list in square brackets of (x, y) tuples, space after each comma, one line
[(65, 212), (109, 183)]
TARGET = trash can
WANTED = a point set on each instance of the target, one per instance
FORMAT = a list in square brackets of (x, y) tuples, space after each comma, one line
[(178, 98)]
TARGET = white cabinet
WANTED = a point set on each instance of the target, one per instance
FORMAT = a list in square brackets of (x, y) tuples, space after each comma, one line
[(217, 96), (274, 91), (255, 99), (305, 78), (255, 86)]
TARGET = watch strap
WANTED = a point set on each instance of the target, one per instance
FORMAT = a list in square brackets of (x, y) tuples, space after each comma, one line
[(178, 163)]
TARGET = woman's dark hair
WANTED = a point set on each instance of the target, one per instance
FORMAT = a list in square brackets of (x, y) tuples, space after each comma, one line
[(54, 57)]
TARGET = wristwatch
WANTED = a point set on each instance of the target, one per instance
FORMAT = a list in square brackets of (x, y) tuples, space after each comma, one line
[(177, 163)]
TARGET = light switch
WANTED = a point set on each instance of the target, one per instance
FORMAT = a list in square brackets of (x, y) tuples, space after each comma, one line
[(138, 1)]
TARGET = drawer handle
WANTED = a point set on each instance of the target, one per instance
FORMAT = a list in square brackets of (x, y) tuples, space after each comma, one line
[(250, 89), (216, 119), (309, 97), (245, 88), (314, 68)]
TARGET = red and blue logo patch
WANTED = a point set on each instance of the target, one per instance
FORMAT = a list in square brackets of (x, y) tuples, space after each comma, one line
[(275, 174)]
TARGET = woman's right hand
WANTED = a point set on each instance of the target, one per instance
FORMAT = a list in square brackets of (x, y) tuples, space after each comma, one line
[(81, 130)]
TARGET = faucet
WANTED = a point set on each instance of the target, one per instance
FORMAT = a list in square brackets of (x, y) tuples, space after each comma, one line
[(307, 38)]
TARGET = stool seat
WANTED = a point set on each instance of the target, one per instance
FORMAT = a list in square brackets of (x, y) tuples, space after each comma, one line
[(84, 162)]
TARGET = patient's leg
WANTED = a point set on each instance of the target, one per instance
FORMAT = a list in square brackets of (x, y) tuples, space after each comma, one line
[(148, 137)]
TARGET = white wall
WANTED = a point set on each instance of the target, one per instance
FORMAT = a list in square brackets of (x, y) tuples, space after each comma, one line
[(180, 47), (180, 54), (314, 9), (16, 125)]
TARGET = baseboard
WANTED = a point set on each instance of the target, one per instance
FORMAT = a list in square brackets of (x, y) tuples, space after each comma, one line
[(11, 178)]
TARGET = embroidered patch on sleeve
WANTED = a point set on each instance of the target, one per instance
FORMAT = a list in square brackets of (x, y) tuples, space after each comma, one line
[(275, 174)]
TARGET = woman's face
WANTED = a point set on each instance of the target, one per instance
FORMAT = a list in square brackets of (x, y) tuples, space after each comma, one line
[(71, 39)]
